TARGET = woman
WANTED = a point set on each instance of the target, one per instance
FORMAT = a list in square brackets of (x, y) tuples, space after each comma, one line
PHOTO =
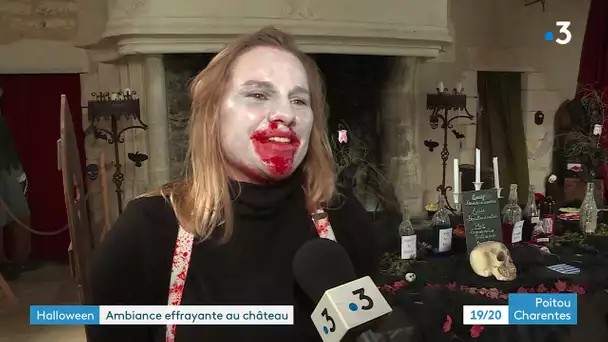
[(260, 163)]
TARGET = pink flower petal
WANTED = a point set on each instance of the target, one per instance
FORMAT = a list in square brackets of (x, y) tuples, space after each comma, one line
[(447, 326), (561, 285), (476, 331)]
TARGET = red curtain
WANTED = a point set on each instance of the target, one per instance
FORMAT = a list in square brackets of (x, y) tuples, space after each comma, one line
[(31, 106)]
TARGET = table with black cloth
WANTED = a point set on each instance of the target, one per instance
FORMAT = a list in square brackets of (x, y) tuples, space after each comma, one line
[(429, 309)]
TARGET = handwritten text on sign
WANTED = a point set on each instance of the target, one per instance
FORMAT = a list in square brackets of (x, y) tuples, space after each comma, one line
[(481, 214)]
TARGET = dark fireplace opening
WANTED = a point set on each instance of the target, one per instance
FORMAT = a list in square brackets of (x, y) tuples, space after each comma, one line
[(355, 87)]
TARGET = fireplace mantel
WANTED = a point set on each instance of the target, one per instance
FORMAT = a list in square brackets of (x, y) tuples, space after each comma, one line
[(396, 27)]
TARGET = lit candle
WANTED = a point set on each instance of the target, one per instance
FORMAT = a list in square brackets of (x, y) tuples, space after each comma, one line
[(440, 86), (477, 166), (496, 179), (456, 177)]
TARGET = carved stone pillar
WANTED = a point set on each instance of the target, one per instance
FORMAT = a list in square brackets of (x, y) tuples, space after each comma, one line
[(157, 120), (400, 155)]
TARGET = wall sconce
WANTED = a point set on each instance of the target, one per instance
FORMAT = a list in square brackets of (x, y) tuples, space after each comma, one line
[(113, 107), (441, 103)]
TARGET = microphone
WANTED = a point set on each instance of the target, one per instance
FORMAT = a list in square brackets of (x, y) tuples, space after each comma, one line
[(346, 306)]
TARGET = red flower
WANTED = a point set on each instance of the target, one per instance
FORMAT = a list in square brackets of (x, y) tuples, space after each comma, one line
[(389, 289), (577, 289), (452, 286), (493, 293), (522, 289), (399, 284), (561, 286), (476, 331), (447, 326), (503, 296), (541, 289)]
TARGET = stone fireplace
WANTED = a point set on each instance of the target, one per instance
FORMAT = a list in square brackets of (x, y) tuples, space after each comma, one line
[(369, 55)]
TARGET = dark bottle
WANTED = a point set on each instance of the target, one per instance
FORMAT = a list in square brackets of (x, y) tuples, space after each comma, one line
[(511, 214), (548, 215), (442, 229), (531, 214)]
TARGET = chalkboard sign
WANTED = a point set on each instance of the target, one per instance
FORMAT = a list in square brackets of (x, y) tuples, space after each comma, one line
[(481, 214)]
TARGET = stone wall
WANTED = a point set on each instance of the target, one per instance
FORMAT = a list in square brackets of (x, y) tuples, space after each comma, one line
[(179, 70), (400, 154), (38, 19)]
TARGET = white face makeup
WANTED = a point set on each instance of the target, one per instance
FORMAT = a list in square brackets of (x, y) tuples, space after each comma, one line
[(266, 118)]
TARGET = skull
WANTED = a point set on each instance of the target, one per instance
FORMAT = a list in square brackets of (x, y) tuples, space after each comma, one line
[(493, 258), (410, 277)]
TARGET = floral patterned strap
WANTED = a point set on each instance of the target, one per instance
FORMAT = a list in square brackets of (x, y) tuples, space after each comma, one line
[(183, 253)]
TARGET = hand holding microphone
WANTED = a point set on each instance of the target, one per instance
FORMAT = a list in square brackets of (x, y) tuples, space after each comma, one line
[(346, 306)]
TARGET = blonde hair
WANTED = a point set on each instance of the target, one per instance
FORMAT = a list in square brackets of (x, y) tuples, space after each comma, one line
[(201, 200)]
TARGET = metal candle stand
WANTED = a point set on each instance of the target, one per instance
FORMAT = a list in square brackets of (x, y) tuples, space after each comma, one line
[(441, 104), (113, 107)]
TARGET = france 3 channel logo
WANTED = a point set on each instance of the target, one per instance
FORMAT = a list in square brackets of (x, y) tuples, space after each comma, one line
[(563, 36), (526, 309)]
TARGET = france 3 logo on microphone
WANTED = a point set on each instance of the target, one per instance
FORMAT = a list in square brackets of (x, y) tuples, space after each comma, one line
[(563, 36), (348, 306)]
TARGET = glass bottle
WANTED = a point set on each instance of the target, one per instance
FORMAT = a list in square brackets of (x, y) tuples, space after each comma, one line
[(408, 236), (588, 211), (442, 228), (511, 214), (531, 214), (548, 215)]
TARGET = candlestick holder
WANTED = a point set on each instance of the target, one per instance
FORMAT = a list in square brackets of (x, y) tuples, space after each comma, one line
[(441, 103), (114, 107), (498, 192), (456, 196), (477, 185)]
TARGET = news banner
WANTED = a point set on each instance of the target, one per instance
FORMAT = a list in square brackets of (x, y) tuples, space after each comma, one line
[(522, 309)]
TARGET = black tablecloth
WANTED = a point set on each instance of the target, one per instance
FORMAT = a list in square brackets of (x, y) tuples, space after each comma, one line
[(445, 283)]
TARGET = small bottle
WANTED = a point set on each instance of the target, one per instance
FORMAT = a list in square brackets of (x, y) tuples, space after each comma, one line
[(442, 229), (548, 215), (511, 214), (408, 236), (531, 214)]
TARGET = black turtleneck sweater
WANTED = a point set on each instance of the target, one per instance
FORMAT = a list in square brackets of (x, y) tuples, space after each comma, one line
[(133, 264)]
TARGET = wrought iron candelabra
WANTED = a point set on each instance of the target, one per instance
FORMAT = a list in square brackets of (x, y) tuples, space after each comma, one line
[(441, 103), (114, 107)]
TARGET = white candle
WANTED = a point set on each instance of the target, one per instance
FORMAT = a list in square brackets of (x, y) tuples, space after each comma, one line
[(459, 87), (477, 166), (440, 86), (456, 177), (496, 179)]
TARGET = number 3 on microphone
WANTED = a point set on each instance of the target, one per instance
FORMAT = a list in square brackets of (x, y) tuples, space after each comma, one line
[(360, 293), (330, 320)]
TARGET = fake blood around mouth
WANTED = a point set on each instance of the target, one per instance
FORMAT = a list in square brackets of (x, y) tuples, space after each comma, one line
[(277, 155)]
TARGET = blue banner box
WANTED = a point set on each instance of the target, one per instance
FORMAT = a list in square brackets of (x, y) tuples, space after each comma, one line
[(63, 314), (543, 309)]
